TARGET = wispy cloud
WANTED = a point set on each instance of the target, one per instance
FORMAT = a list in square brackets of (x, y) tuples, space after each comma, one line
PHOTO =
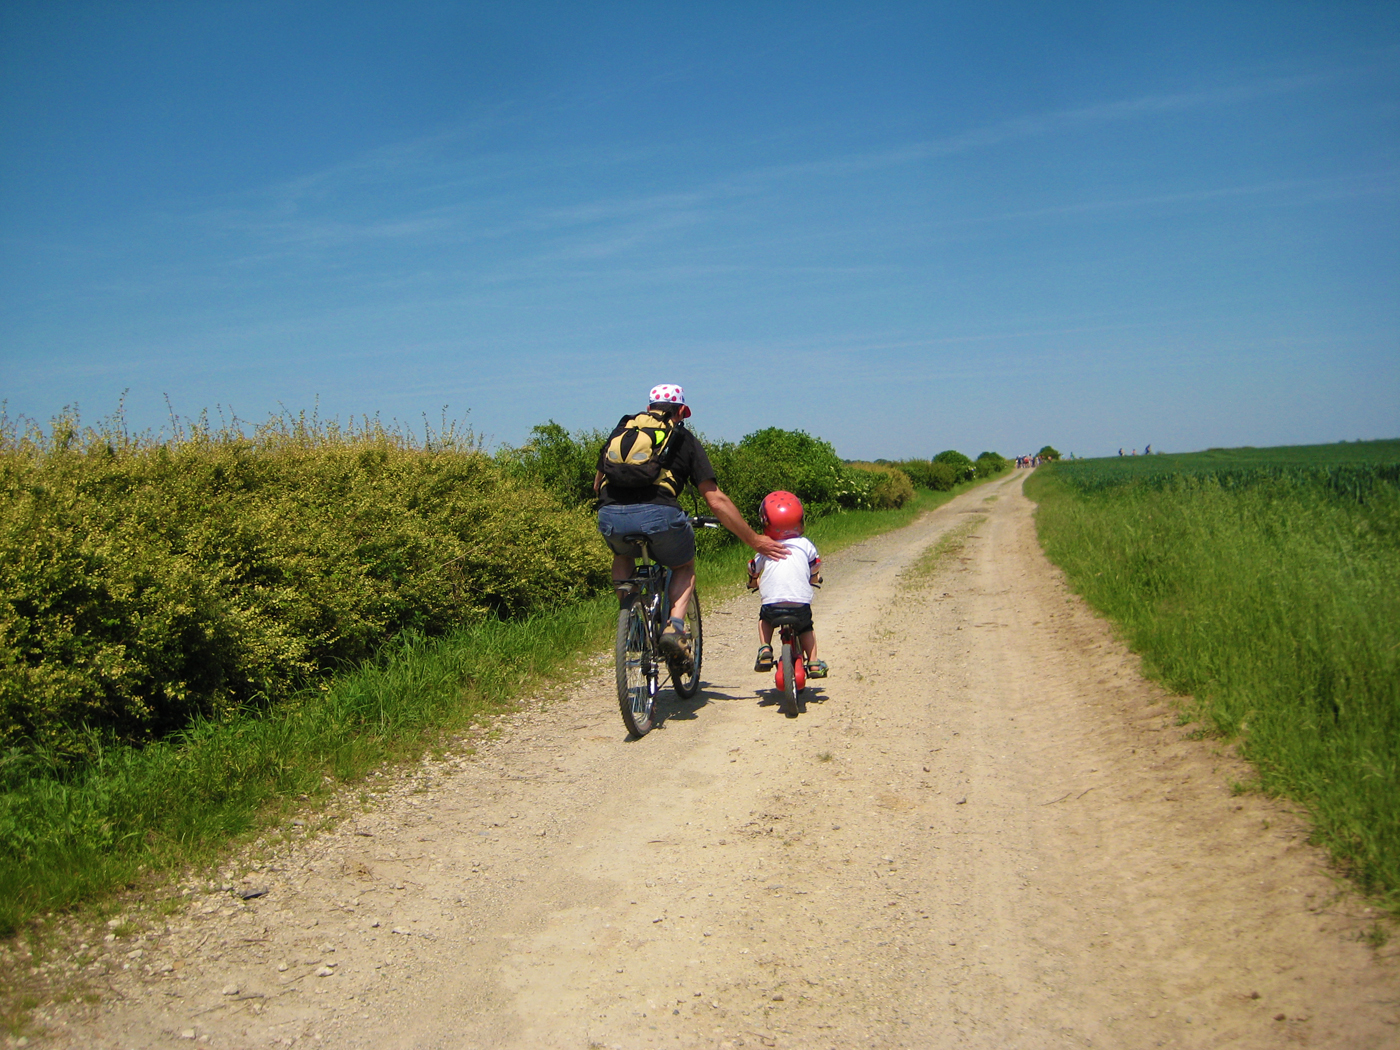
[(1040, 125), (1381, 183), (396, 194)]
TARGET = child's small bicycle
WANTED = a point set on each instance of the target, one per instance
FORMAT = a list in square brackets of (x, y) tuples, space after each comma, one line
[(790, 670)]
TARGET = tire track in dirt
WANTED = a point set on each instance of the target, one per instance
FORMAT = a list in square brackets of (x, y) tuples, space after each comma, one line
[(985, 830)]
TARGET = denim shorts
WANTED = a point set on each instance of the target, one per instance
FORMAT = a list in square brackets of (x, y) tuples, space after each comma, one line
[(667, 529)]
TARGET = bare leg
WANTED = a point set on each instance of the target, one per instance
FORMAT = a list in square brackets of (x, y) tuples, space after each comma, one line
[(765, 632), (623, 568), (682, 587), (809, 645)]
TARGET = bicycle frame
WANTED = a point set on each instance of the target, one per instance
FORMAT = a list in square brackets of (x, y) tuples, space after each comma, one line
[(787, 635), (649, 587), (790, 669), (644, 611)]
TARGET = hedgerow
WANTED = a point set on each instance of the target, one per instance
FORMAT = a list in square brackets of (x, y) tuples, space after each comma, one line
[(940, 477), (146, 584), (746, 470)]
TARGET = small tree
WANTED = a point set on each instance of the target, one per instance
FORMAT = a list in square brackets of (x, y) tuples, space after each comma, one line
[(990, 464), (556, 460), (1048, 452), (966, 471)]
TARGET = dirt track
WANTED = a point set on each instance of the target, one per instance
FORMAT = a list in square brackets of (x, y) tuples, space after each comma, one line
[(985, 830)]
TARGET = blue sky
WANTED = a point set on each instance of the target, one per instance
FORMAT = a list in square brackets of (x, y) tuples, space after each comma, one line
[(902, 227)]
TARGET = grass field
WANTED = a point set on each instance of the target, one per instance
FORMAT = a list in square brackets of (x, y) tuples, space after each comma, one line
[(1261, 582)]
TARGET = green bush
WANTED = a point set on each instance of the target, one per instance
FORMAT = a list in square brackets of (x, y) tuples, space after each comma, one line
[(890, 488), (965, 468), (940, 477), (144, 585), (792, 460), (1048, 452), (557, 461), (990, 464)]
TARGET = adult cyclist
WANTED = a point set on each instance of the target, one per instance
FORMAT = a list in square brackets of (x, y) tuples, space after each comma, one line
[(651, 508)]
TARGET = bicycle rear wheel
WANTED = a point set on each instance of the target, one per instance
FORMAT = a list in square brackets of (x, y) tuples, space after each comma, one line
[(633, 653), (685, 674), (789, 672)]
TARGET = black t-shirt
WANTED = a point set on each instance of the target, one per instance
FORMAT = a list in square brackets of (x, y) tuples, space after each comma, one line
[(687, 461)]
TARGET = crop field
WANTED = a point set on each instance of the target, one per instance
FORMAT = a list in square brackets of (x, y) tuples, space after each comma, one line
[(1348, 468), (1261, 582)]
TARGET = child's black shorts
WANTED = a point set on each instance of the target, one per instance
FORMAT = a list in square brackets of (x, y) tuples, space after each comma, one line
[(767, 613)]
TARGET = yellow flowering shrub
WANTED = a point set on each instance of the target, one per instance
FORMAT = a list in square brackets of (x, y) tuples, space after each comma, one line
[(144, 584)]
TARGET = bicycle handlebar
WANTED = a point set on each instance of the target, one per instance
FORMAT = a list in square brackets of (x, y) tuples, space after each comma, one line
[(704, 521)]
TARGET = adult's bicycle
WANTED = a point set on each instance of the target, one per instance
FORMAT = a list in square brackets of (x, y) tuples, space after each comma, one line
[(645, 612)]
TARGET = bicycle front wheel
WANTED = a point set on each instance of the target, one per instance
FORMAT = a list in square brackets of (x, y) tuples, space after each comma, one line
[(685, 674), (633, 654), (789, 701)]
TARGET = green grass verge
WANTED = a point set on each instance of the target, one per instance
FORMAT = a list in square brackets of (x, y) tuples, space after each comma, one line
[(68, 835), (1274, 605), (936, 554)]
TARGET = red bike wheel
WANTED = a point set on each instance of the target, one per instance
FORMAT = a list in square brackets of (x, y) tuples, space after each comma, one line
[(787, 680)]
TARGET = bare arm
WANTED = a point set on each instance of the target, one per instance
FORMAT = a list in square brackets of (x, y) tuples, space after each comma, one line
[(722, 507), (597, 481)]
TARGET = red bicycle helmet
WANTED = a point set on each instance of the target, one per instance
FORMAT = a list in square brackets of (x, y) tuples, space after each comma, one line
[(780, 514)]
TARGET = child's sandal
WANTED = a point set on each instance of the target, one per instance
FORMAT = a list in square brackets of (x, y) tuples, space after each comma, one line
[(816, 669), (764, 661)]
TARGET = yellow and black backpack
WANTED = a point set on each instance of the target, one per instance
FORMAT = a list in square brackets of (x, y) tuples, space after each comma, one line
[(638, 453)]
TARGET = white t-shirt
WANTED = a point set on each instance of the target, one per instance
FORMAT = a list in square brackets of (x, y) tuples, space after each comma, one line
[(788, 580)]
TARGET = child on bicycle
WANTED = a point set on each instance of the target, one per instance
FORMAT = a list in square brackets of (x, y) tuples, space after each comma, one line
[(786, 586)]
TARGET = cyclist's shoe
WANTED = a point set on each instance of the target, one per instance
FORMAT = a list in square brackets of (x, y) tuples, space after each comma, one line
[(674, 641), (764, 660), (816, 669)]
